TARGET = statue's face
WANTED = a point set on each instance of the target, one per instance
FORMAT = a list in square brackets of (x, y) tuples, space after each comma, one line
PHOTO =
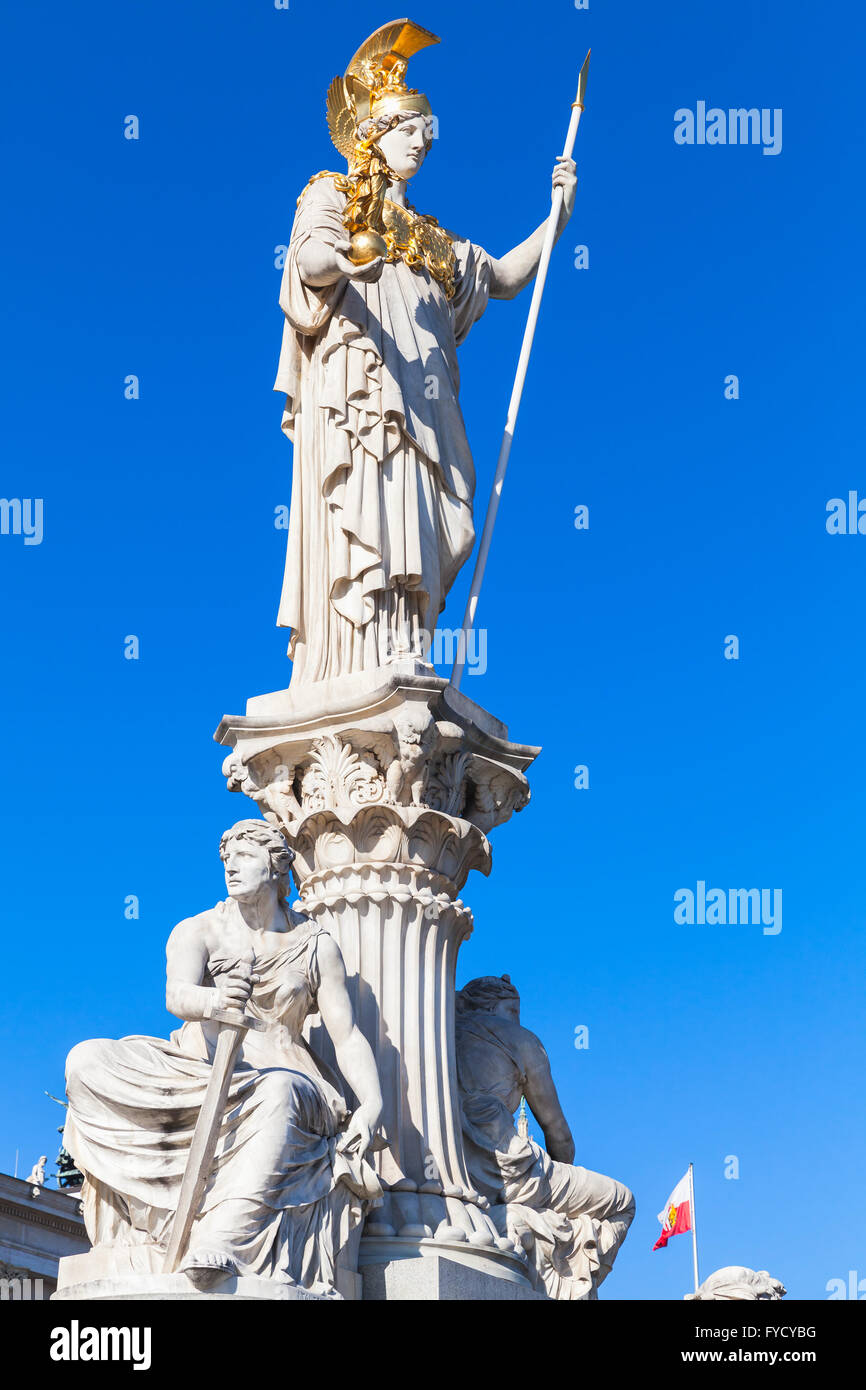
[(405, 148), (248, 869)]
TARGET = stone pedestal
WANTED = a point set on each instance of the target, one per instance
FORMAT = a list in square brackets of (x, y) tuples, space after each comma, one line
[(121, 1273), (386, 786), (435, 1279)]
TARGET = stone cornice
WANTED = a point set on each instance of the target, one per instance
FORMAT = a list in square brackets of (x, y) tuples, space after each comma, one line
[(71, 1225)]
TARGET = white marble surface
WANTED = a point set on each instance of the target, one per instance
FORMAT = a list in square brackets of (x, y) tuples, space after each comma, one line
[(570, 1221), (736, 1282), (289, 1181)]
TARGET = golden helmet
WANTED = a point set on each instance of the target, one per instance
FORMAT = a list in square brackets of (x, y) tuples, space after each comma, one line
[(374, 83)]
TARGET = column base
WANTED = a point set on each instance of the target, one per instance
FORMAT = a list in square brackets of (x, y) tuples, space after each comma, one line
[(434, 1278)]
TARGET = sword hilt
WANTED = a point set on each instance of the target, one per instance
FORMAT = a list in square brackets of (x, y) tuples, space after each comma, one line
[(235, 1019)]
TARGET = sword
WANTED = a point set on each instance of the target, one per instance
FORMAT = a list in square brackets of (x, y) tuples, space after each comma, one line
[(234, 1028)]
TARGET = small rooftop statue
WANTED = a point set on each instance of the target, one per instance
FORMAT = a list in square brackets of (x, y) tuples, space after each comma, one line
[(36, 1175)]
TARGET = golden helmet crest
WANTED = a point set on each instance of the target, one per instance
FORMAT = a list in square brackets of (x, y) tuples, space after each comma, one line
[(374, 83)]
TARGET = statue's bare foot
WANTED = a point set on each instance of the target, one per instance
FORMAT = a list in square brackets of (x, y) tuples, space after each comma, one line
[(205, 1268)]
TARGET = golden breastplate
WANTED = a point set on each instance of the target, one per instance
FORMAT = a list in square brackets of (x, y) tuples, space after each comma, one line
[(411, 237), (420, 241)]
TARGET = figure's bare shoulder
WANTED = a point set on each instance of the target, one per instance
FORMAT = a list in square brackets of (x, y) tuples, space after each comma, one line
[(533, 1053), (328, 955), (513, 1031), (523, 1045), (200, 932)]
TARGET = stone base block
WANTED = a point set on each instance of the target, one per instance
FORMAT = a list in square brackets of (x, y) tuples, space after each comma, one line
[(135, 1272), (432, 1279), (176, 1287)]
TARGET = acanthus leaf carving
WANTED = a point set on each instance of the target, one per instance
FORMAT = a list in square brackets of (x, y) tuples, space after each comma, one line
[(447, 782), (338, 776)]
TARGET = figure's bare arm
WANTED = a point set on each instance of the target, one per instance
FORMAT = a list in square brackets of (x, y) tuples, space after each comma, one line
[(515, 270), (354, 1054), (544, 1102), (186, 957), (322, 264)]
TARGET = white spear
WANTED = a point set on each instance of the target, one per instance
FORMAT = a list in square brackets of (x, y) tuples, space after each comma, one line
[(517, 393)]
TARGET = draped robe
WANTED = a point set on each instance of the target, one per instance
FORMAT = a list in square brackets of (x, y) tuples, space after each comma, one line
[(275, 1201), (381, 511)]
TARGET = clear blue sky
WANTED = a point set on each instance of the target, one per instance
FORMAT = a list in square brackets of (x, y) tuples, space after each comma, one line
[(707, 518)]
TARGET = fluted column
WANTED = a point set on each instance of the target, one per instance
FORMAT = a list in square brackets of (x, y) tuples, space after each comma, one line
[(387, 805)]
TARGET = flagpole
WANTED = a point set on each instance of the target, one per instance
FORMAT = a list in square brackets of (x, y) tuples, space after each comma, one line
[(694, 1223), (517, 392)]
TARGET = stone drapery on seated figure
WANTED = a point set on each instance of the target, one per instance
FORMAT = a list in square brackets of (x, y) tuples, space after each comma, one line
[(289, 1183), (736, 1282), (570, 1221)]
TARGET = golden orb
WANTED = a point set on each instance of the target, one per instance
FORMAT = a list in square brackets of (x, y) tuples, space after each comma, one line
[(366, 246)]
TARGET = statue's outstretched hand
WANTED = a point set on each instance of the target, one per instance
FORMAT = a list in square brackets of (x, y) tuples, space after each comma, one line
[(368, 274), (565, 177)]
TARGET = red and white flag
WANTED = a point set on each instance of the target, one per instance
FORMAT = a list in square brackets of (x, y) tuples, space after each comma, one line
[(677, 1215)]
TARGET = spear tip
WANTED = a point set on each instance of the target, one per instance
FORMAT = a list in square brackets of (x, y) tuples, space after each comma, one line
[(581, 81)]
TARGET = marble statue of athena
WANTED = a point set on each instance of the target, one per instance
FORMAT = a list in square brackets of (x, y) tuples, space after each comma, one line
[(381, 509)]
